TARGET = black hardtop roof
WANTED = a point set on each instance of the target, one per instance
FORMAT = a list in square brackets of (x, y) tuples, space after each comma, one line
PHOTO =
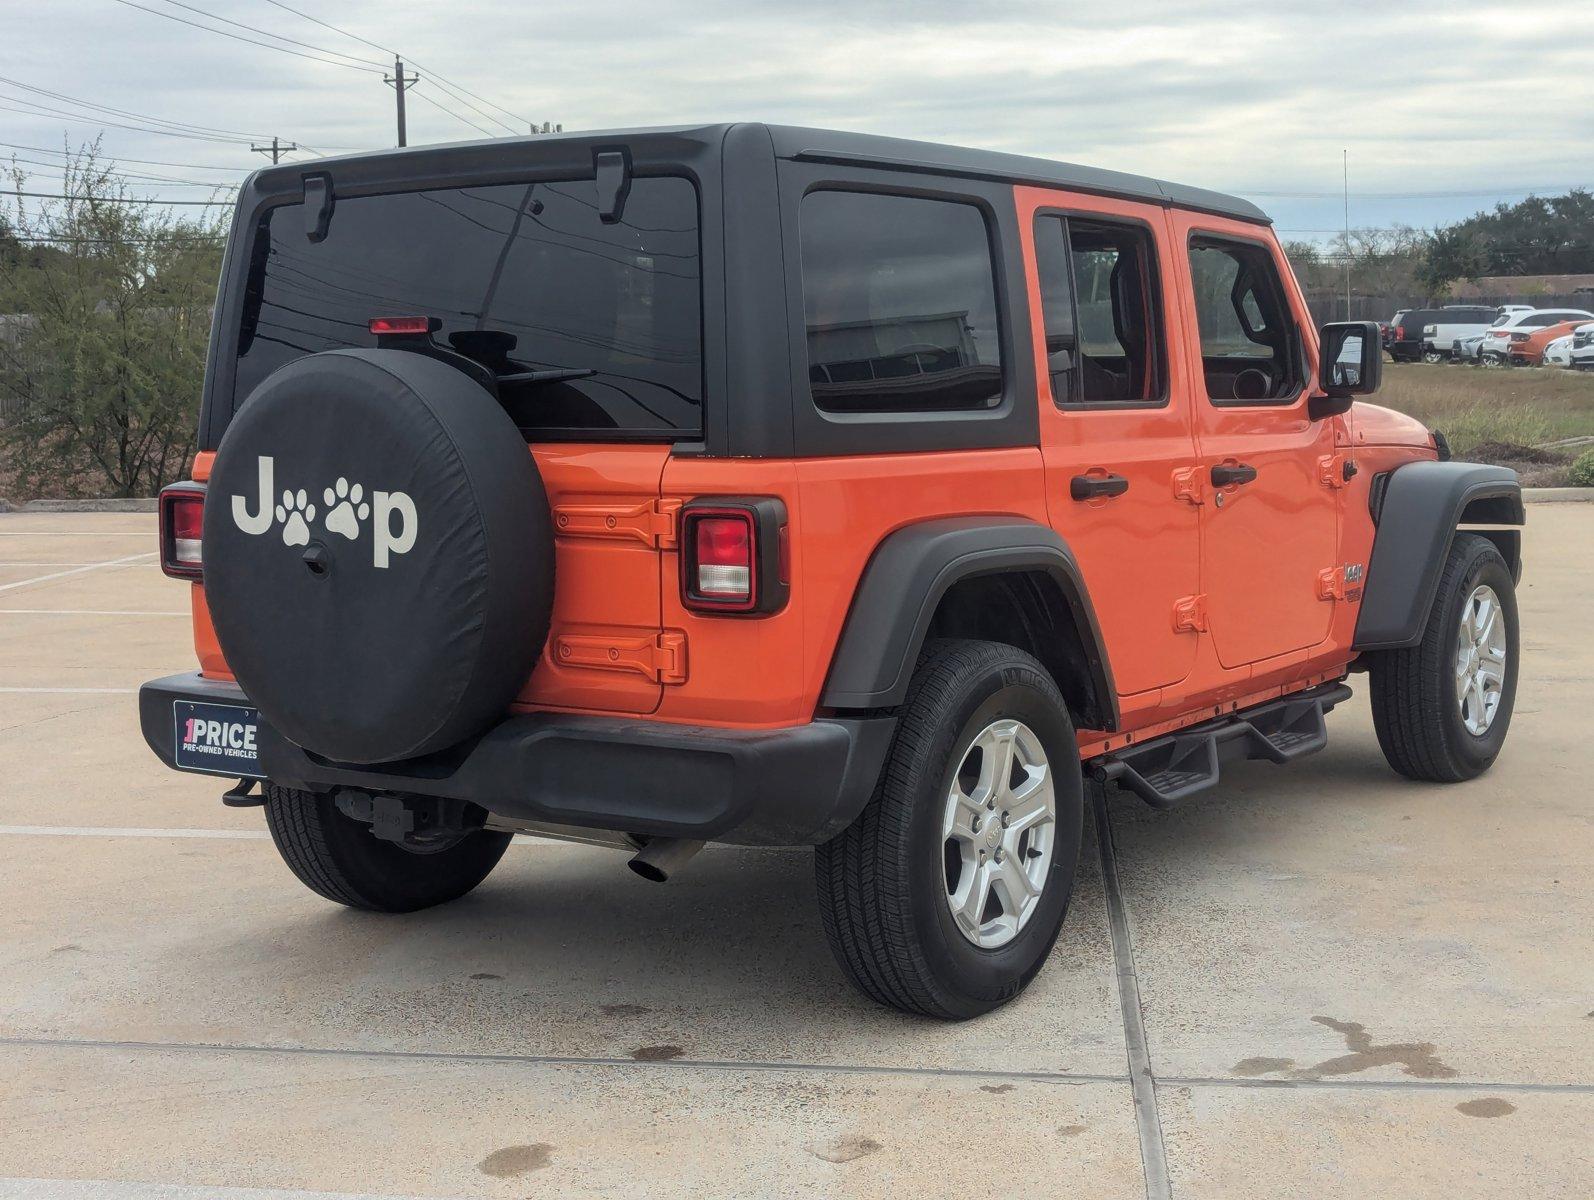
[(823, 145)]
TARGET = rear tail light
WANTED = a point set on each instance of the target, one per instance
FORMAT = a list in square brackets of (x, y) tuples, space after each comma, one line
[(182, 519), (1520, 337), (731, 556)]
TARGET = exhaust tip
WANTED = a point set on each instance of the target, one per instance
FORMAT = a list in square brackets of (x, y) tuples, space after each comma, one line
[(662, 857), (648, 871)]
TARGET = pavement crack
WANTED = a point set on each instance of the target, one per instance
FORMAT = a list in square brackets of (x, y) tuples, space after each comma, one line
[(1143, 1083)]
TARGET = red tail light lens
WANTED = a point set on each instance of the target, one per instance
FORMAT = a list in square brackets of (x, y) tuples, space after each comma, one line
[(724, 548), (730, 556), (182, 520), (404, 325)]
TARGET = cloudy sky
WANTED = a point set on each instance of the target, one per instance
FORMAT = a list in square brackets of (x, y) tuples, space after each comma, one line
[(1444, 108)]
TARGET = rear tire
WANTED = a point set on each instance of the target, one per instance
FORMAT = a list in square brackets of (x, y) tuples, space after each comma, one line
[(1435, 356), (1417, 692), (340, 858), (938, 824)]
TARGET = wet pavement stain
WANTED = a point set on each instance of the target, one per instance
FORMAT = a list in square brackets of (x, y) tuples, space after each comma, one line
[(1417, 1059), (656, 1053), (844, 1149), (1489, 1106), (485, 975), (1070, 1130), (997, 1090), (624, 1010), (516, 1160)]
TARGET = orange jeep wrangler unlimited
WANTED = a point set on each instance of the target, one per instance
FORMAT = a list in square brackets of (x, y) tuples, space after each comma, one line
[(777, 486)]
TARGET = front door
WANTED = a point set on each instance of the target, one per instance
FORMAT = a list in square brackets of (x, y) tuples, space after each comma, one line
[(1115, 419), (1270, 517)]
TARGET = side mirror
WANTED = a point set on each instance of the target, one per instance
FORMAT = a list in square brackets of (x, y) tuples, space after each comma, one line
[(1350, 364)]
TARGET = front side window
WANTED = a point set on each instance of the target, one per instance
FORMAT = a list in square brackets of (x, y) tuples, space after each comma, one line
[(1248, 343), (1098, 289), (899, 299)]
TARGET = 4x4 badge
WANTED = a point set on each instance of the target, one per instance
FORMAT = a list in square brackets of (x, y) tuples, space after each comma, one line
[(345, 509)]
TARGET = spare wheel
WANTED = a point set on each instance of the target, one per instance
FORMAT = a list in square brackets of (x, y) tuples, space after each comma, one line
[(378, 554)]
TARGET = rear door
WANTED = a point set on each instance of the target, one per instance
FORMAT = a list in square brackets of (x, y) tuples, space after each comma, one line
[(591, 332), (1270, 527), (1116, 423)]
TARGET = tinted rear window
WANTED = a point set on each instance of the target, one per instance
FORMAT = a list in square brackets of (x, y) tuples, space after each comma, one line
[(522, 278)]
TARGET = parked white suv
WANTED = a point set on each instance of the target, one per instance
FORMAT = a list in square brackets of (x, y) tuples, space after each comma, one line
[(1443, 327), (1493, 352)]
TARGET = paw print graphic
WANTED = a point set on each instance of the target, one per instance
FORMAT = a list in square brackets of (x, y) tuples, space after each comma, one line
[(295, 512), (346, 508)]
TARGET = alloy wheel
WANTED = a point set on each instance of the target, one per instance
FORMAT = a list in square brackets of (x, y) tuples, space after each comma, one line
[(998, 833), (1480, 660)]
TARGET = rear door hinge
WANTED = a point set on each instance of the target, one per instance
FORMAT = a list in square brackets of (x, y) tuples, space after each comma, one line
[(1336, 470), (652, 522), (1189, 485), (1190, 614), (661, 656)]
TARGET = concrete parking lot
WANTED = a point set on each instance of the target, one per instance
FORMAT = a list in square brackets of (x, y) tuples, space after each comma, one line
[(1321, 981)]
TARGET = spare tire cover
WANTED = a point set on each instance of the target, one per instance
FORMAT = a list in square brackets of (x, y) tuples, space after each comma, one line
[(378, 554)]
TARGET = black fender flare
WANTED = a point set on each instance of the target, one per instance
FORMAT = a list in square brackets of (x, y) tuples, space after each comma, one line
[(905, 579), (1418, 508)]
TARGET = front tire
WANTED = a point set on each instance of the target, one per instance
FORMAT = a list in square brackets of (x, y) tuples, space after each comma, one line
[(1435, 356), (1442, 708), (340, 858), (945, 896)]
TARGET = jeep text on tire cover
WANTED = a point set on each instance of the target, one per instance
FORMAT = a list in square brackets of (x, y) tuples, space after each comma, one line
[(778, 486)]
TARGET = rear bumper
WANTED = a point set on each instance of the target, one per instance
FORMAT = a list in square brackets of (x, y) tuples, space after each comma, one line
[(795, 786)]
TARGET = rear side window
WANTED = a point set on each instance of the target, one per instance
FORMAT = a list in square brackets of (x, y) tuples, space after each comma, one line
[(899, 299), (1098, 284), (593, 330), (1249, 348)]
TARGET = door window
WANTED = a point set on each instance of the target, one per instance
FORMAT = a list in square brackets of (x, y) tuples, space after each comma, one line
[(1249, 348), (1098, 283), (899, 297)]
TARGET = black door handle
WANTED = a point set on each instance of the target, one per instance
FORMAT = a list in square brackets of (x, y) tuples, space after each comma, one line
[(1090, 487), (1225, 474)]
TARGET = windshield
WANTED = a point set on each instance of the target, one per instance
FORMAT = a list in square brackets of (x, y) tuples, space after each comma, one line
[(593, 329)]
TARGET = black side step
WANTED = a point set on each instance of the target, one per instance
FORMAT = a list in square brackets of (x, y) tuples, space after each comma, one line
[(1169, 769)]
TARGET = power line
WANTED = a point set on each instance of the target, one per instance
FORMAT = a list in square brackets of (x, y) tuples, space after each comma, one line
[(441, 80), (109, 173), (333, 28), (120, 199), (90, 119), (146, 162), (120, 112), (281, 37), (1517, 191), (238, 37), (77, 240), (455, 115)]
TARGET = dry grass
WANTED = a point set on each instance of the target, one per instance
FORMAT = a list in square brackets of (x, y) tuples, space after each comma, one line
[(1498, 416)]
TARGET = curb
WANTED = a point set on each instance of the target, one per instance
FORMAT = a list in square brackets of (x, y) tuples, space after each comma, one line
[(80, 506), (1558, 495)]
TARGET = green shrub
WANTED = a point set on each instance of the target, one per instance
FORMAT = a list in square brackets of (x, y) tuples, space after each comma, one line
[(1582, 472)]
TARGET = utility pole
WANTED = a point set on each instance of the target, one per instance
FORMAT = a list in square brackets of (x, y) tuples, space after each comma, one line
[(401, 83), (1345, 164), (276, 149)]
